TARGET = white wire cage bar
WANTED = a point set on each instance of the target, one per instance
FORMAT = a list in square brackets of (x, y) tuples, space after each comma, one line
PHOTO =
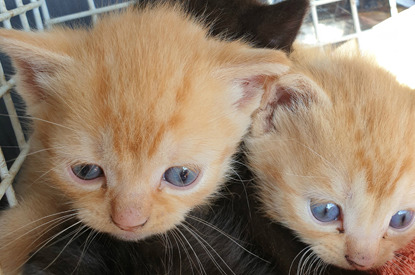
[(314, 15), (93, 11), (39, 13)]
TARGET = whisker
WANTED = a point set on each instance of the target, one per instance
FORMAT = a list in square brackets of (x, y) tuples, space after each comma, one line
[(325, 267), (36, 152), (44, 174), (194, 253), (47, 241), (202, 242), (169, 253), (317, 269), (301, 263), (86, 246), (40, 119), (245, 192), (54, 236), (312, 259), (51, 227), (232, 239), (53, 222), (191, 262), (204, 248), (75, 235), (38, 220), (296, 256)]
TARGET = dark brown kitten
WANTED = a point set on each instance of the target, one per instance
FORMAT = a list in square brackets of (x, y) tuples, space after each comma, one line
[(265, 26)]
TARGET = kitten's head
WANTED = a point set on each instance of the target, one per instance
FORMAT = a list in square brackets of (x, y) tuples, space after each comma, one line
[(138, 117), (333, 149)]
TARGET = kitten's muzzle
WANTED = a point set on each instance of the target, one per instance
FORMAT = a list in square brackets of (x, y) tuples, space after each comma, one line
[(360, 263)]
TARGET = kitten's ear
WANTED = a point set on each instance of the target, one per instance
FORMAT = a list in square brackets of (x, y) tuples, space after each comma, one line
[(248, 71), (36, 57), (292, 93), (275, 26)]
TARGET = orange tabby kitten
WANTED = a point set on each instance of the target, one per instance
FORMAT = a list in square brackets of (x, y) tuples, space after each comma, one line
[(334, 151), (135, 122)]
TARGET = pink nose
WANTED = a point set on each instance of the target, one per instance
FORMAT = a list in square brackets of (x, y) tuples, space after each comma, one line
[(129, 219), (360, 262)]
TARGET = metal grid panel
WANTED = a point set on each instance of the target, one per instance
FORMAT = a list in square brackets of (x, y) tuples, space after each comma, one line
[(355, 15), (91, 11), (40, 19), (7, 175), (351, 6)]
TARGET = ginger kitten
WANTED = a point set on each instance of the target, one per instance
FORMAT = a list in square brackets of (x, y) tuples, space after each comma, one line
[(214, 239), (333, 150), (135, 122)]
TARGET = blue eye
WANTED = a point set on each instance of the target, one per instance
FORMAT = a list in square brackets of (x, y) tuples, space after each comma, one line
[(401, 219), (87, 171), (180, 176), (325, 212)]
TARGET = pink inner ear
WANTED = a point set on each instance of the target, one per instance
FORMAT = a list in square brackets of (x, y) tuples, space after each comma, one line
[(28, 74), (291, 92), (283, 97), (252, 87)]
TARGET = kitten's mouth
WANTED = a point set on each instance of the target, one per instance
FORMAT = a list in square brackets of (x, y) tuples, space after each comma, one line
[(357, 266), (130, 228), (129, 235)]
